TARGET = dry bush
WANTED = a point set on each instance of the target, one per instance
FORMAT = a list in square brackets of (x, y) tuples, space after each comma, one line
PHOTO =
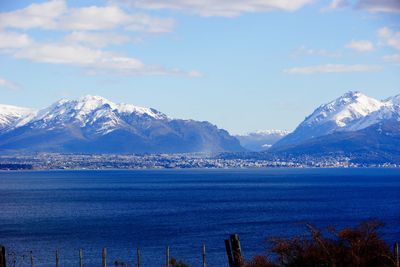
[(360, 246)]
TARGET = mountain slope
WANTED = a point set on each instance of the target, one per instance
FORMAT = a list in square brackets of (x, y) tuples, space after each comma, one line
[(353, 125), (261, 140), (379, 143), (94, 124), (390, 110), (351, 112), (10, 116)]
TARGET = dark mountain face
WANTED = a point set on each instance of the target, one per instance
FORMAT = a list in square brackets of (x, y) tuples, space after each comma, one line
[(353, 125), (378, 143), (342, 114), (96, 125)]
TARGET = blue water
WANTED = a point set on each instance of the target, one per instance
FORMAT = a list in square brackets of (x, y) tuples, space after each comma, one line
[(121, 210)]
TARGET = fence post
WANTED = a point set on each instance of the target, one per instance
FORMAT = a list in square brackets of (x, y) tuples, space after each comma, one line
[(138, 257), (167, 259), (396, 254), (57, 260), (236, 250), (204, 255), (2, 256), (229, 252), (80, 258), (31, 256), (104, 258)]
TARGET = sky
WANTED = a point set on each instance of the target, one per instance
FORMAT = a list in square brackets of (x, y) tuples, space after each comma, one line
[(244, 65)]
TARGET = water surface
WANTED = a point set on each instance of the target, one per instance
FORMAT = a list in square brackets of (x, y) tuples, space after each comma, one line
[(47, 210)]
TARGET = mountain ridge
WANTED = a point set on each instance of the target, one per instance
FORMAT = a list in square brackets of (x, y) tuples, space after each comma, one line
[(352, 111), (370, 134), (11, 115), (352, 124), (94, 124), (261, 140)]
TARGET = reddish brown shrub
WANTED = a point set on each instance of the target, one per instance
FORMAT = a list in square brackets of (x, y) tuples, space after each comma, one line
[(360, 246)]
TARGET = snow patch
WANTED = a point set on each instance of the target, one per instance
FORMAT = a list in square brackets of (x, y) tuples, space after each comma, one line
[(344, 110)]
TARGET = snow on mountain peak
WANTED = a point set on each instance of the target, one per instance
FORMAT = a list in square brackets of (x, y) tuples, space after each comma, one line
[(91, 98), (347, 108), (353, 111), (90, 103), (14, 110), (99, 113), (390, 109), (352, 94), (12, 115), (270, 132), (83, 107), (261, 140), (395, 100)]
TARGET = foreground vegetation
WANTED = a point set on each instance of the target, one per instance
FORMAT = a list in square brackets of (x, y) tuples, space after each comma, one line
[(360, 246)]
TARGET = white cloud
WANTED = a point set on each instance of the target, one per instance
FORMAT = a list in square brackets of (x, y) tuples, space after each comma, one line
[(60, 54), (391, 6), (388, 6), (98, 39), (13, 40), (361, 45), (222, 8), (55, 15), (336, 4), (94, 60), (41, 15), (144, 23), (389, 37), (195, 74), (393, 57), (9, 85), (306, 51), (81, 47), (93, 18), (333, 68)]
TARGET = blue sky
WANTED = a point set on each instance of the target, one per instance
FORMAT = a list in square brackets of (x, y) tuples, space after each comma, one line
[(242, 65)]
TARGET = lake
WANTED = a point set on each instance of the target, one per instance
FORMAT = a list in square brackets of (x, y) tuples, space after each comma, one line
[(42, 211)]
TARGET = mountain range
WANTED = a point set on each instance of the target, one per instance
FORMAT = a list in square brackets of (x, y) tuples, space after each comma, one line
[(93, 124), (353, 124), (261, 140)]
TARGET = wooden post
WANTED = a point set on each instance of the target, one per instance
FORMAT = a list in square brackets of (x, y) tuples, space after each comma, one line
[(396, 254), (229, 253), (104, 257), (31, 256), (138, 257), (236, 251), (80, 258), (167, 259), (2, 256), (57, 260), (204, 255)]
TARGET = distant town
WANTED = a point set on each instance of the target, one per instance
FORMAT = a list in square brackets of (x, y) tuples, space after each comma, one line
[(58, 161)]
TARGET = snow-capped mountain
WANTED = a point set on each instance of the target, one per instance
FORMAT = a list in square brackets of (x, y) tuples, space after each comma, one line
[(97, 112), (390, 110), (351, 112), (344, 110), (10, 116), (261, 140), (94, 124), (268, 132)]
